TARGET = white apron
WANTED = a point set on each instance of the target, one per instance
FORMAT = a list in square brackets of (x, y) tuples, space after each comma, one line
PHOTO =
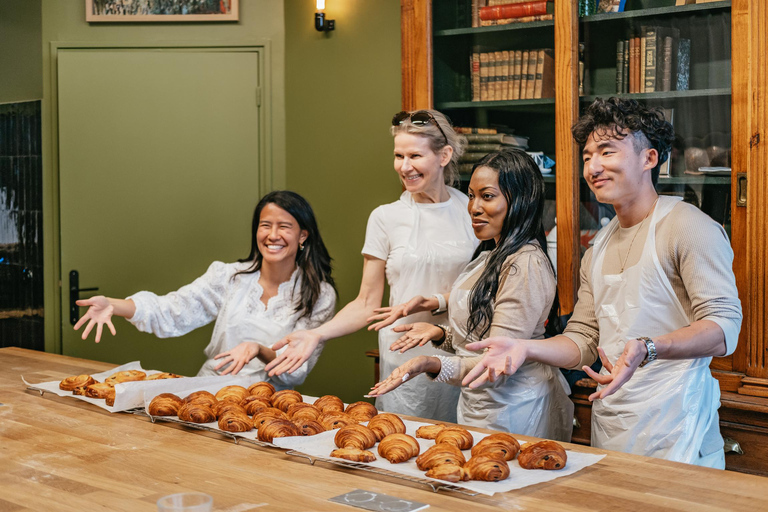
[(668, 409), (532, 402), (429, 265)]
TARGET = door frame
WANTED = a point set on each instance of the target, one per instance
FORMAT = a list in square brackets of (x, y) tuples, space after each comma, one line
[(271, 140)]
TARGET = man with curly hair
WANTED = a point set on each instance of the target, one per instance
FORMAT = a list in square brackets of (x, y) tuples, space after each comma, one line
[(657, 300)]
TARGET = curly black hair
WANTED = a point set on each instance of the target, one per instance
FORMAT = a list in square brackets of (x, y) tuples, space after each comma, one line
[(615, 117)]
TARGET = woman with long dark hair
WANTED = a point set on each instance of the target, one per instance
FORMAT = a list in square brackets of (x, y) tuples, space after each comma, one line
[(508, 289), (283, 285)]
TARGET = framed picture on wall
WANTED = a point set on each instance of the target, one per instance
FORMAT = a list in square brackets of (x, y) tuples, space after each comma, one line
[(161, 10)]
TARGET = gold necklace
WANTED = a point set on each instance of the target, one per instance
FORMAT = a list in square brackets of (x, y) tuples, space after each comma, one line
[(639, 228)]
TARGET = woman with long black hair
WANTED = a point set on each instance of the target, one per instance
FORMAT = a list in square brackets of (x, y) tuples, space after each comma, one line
[(508, 289), (283, 285)]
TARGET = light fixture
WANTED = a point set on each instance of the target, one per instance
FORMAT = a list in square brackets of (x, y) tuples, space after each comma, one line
[(322, 24)]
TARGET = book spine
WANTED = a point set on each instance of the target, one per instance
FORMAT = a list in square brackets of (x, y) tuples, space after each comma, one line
[(650, 59), (683, 64), (491, 76), (524, 19), (516, 74), (548, 75), (483, 76), (504, 83), (625, 72), (476, 148), (636, 66), (475, 76), (523, 74), (538, 78), (632, 57), (473, 138), (619, 66), (666, 74), (514, 10), (641, 57), (468, 130), (531, 83), (475, 13)]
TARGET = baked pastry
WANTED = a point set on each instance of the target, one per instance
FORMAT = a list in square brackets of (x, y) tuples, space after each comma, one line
[(261, 389), (235, 422), (329, 403), (309, 427), (110, 400), (76, 381), (302, 410), (460, 437), (222, 408), (277, 427), (501, 444), (440, 454), (80, 390), (254, 404), (332, 420), (285, 398), (542, 455), (487, 468), (202, 398), (165, 404), (397, 448), (99, 390), (125, 376), (361, 411), (232, 394), (386, 424), (430, 431), (355, 436), (447, 472), (266, 414), (163, 375), (196, 413), (354, 455)]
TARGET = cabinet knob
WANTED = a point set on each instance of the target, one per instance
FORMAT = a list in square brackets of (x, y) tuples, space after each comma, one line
[(731, 445), (576, 423)]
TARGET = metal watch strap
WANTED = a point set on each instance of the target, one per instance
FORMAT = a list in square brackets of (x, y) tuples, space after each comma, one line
[(651, 347)]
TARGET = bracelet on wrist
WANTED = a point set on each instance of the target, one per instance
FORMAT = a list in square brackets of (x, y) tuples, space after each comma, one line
[(442, 307), (651, 348)]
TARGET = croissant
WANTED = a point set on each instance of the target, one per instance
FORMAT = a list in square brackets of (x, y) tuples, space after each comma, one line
[(397, 448), (261, 389), (309, 427), (165, 404), (355, 436), (336, 420), (125, 376), (285, 398), (502, 444), (277, 427), (232, 394), (329, 403), (440, 454), (448, 472), (201, 398), (196, 413), (354, 455), (76, 381), (99, 390), (542, 455), (302, 410), (457, 436), (222, 408), (266, 414), (488, 468), (235, 422), (163, 375), (361, 411), (430, 431), (253, 404), (386, 424)]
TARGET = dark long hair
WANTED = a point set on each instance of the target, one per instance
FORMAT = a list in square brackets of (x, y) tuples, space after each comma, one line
[(522, 185), (313, 261)]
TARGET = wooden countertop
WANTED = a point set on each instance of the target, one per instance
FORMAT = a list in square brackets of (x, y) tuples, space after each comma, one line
[(63, 454)]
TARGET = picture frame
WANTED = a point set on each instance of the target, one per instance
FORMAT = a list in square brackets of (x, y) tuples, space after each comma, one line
[(161, 10), (610, 6)]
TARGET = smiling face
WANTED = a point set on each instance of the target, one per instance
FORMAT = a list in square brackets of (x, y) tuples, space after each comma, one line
[(487, 205), (278, 235), (420, 169)]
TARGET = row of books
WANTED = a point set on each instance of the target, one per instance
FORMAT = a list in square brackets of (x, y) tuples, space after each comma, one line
[(480, 144), (656, 60), (502, 12), (513, 75)]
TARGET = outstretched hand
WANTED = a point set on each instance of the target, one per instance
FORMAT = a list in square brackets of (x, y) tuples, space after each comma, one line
[(418, 334), (99, 313), (235, 359), (388, 316), (402, 374), (503, 356), (300, 344), (619, 373)]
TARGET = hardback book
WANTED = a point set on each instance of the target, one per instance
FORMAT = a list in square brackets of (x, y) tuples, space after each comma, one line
[(683, 65), (505, 139), (467, 130), (491, 76), (642, 63), (666, 64), (670, 36), (523, 74), (503, 82), (650, 39), (472, 156), (632, 59), (465, 168), (544, 86), (475, 13), (487, 148), (484, 76), (669, 114), (524, 19), (636, 69), (475, 67), (531, 83), (619, 66), (510, 74), (517, 10), (625, 73), (516, 74)]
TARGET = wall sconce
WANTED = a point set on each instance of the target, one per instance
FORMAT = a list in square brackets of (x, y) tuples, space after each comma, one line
[(322, 24)]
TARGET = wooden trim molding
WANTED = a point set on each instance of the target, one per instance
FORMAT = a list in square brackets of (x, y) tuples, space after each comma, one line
[(416, 40)]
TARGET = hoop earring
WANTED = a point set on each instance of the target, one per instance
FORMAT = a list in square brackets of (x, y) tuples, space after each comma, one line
[(301, 246)]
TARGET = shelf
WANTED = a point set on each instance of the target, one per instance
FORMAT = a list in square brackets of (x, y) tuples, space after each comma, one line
[(655, 11), (510, 104), (664, 95), (672, 180), (492, 29)]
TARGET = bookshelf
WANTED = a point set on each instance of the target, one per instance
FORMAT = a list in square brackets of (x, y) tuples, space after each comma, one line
[(727, 91)]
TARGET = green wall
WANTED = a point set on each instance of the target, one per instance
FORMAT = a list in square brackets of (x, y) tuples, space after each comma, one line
[(342, 89), (21, 59)]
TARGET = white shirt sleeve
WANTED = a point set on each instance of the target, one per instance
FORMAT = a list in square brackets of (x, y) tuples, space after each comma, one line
[(376, 238), (186, 309)]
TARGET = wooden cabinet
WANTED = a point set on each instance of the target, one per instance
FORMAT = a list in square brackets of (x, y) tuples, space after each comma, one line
[(727, 84)]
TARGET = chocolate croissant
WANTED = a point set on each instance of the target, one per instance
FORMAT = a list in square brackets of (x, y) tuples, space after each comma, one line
[(457, 436), (386, 424), (501, 444), (447, 472), (261, 389), (285, 398), (201, 398), (125, 376), (430, 431), (336, 420), (262, 416), (254, 404), (222, 408), (487, 468), (542, 455), (235, 422), (361, 411), (440, 454), (163, 375), (397, 448), (277, 427), (309, 427), (232, 394), (303, 410), (76, 381), (165, 404), (355, 436), (329, 403), (196, 413), (354, 455), (99, 390)]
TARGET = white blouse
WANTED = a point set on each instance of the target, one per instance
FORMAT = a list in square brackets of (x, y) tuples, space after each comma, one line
[(234, 302)]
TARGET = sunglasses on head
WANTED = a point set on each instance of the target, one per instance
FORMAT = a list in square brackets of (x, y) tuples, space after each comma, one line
[(417, 118)]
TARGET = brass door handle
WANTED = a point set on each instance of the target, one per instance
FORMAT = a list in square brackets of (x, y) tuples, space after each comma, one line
[(576, 423), (741, 189), (731, 445)]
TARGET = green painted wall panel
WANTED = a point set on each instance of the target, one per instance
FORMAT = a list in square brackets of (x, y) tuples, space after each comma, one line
[(21, 56)]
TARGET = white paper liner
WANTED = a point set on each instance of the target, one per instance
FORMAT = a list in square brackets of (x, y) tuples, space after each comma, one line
[(321, 446)]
